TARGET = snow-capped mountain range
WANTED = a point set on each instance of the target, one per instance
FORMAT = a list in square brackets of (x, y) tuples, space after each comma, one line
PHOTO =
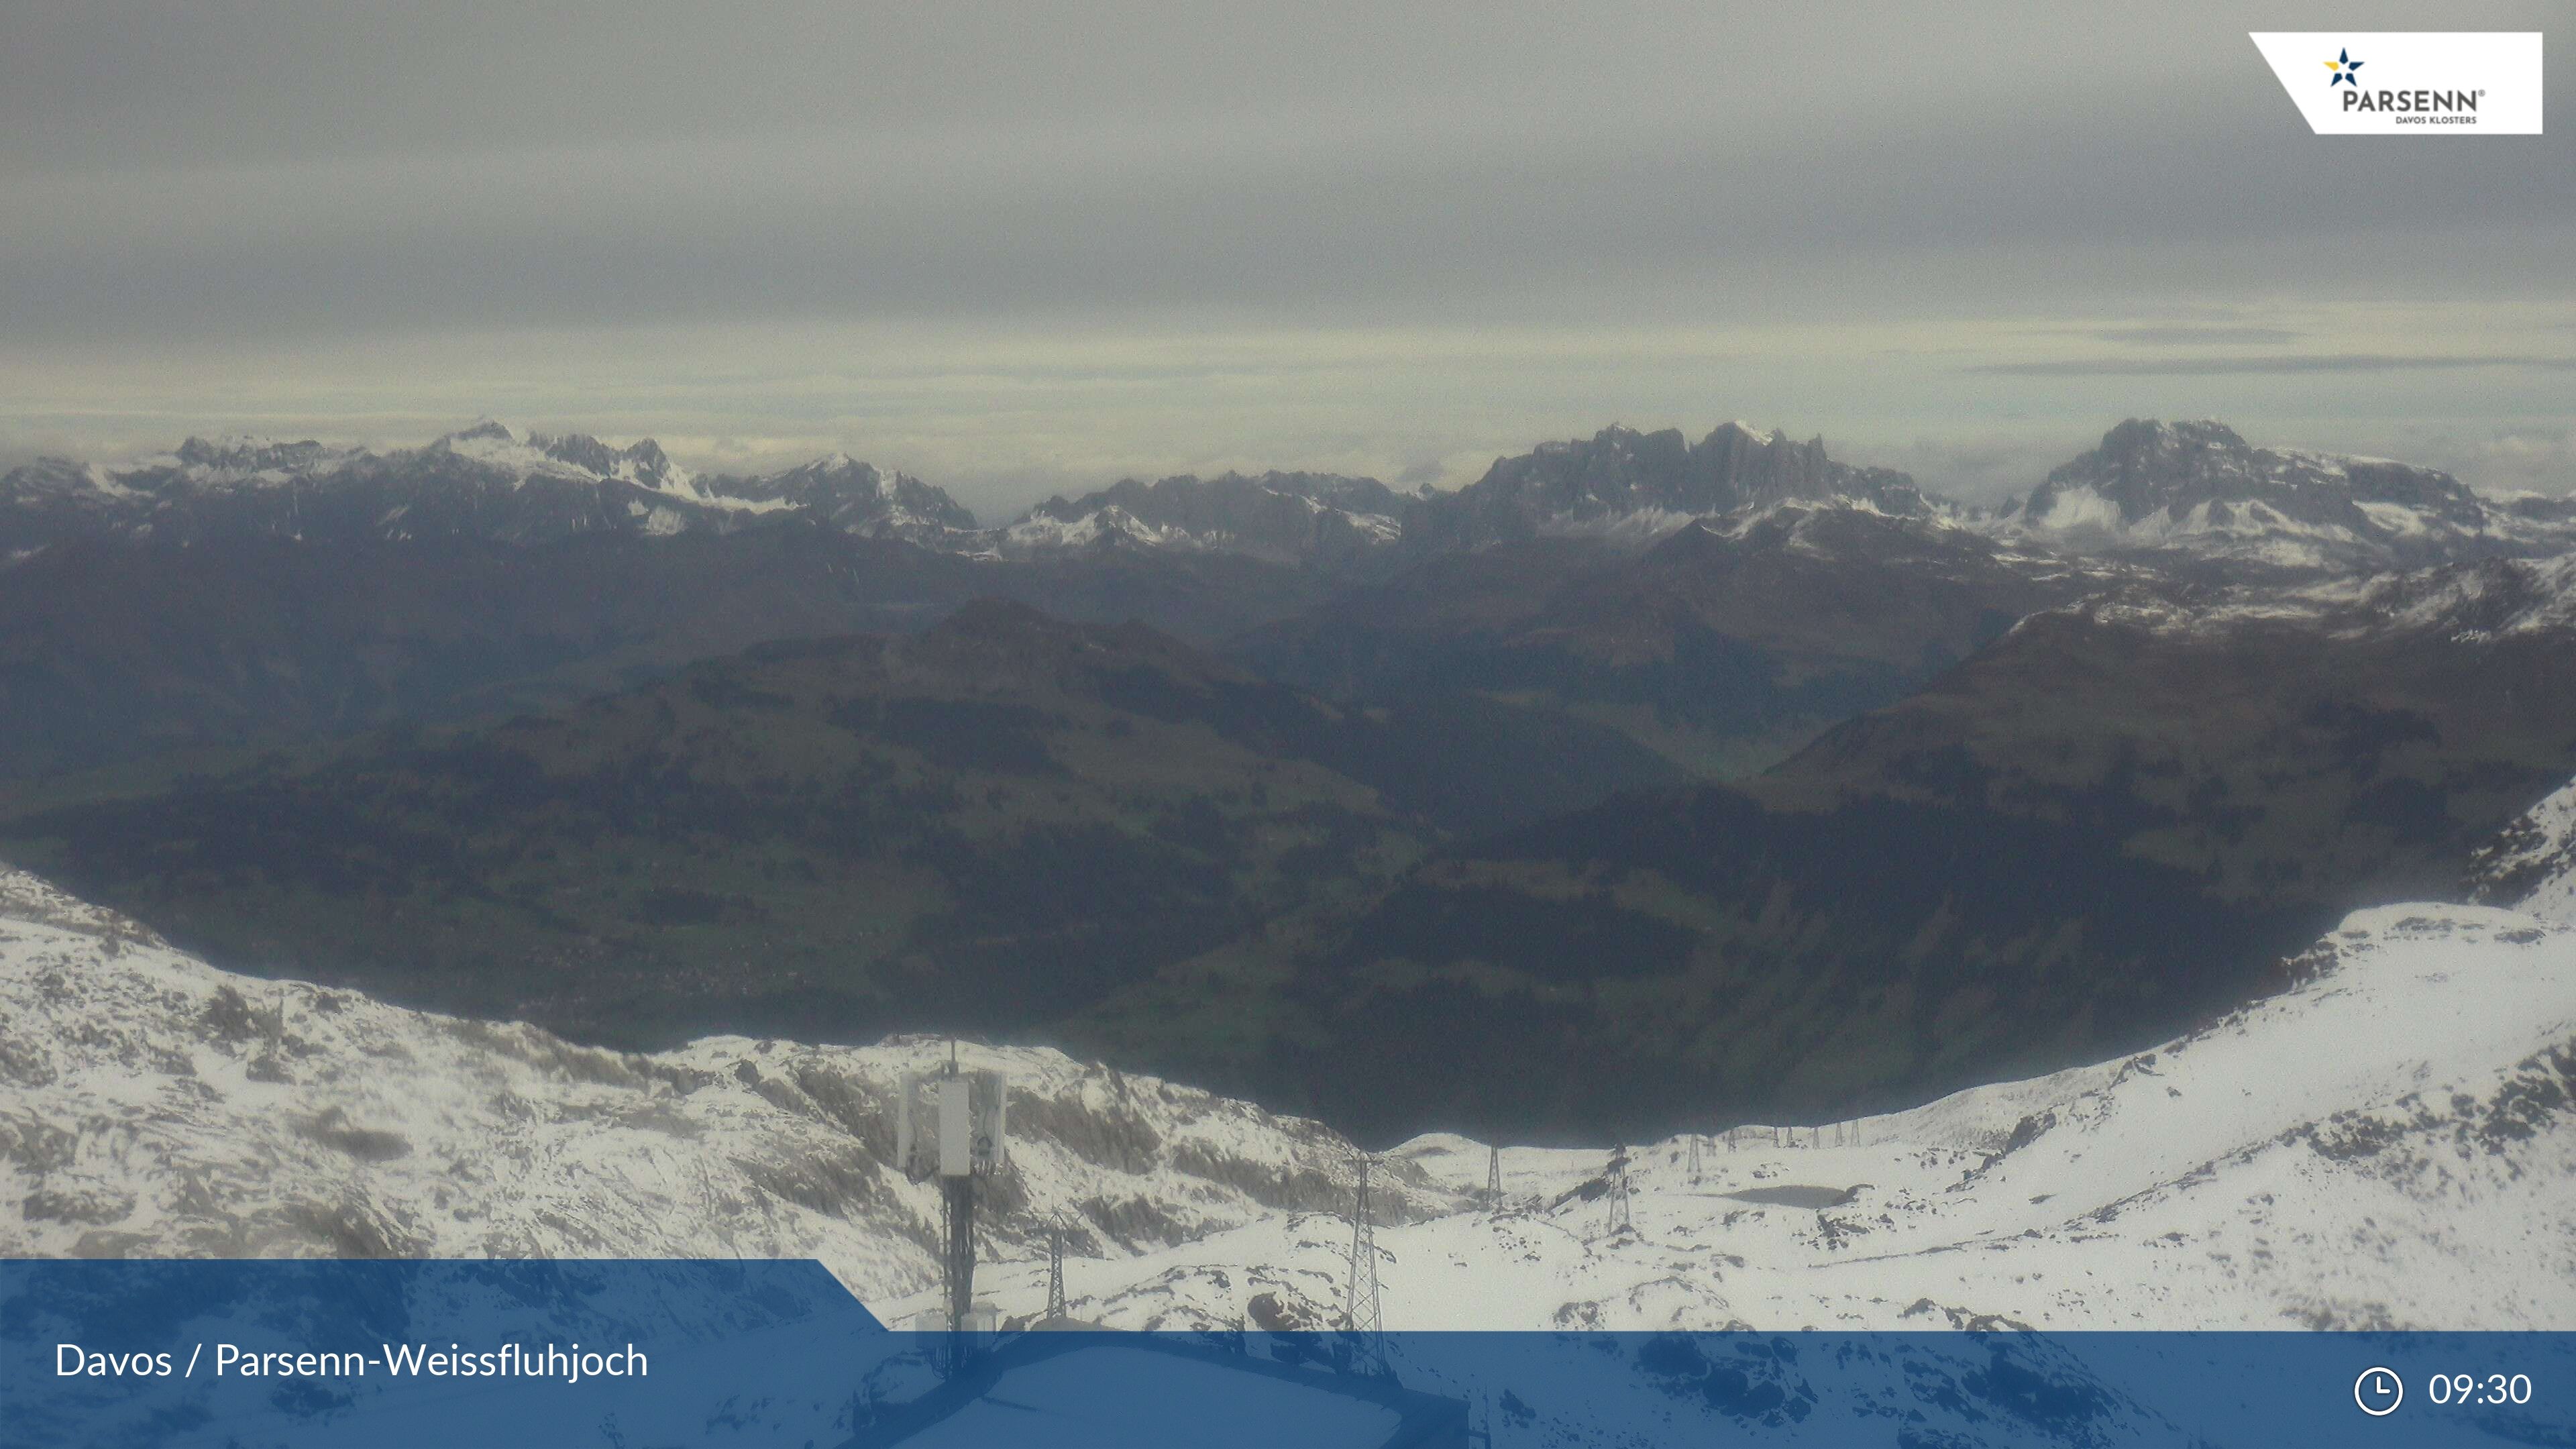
[(2154, 494), (1291, 518), (2384, 1143), (487, 481)]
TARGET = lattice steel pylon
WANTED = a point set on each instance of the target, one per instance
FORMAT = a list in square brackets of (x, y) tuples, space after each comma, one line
[(1694, 1157), (1055, 1272), (1362, 1313), (1618, 1175), (1494, 1177)]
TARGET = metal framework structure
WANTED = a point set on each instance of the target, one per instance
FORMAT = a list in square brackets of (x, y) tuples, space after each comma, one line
[(1494, 1176), (1055, 1272), (1618, 1175), (950, 1124), (1362, 1314)]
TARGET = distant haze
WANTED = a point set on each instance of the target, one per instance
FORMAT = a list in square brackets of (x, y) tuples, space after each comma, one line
[(1023, 248)]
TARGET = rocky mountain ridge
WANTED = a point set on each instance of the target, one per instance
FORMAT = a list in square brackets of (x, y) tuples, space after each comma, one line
[(2197, 491), (1634, 486), (488, 482), (2187, 498), (1318, 519)]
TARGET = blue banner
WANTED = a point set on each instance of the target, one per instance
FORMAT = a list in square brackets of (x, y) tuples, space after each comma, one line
[(626, 1355)]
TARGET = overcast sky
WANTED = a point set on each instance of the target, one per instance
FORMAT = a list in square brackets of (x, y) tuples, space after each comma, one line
[(1021, 247)]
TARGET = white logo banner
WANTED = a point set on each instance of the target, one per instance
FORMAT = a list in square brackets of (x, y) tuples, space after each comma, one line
[(2389, 83)]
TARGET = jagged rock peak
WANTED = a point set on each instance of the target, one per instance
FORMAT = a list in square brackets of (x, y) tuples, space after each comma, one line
[(2198, 489), (1638, 486)]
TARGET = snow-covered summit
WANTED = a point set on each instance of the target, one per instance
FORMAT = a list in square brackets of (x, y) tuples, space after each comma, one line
[(1292, 518), (1628, 485), (854, 497), (2198, 490)]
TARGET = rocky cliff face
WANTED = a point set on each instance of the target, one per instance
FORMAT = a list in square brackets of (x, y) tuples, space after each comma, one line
[(2197, 490), (1624, 484)]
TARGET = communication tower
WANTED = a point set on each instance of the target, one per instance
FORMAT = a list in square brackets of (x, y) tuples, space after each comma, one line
[(1494, 1176), (950, 1126)]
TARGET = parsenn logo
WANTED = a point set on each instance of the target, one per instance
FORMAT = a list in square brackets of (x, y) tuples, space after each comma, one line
[(2463, 83)]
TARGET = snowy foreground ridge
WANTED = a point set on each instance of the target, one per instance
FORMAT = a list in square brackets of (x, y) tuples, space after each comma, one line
[(2386, 1143)]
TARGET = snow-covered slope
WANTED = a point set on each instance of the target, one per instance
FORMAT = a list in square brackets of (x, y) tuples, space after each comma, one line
[(487, 481), (151, 1105), (2534, 862), (2196, 491), (854, 497), (2387, 1143), (2495, 601)]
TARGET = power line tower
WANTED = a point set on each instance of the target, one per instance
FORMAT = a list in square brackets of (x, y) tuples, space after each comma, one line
[(1055, 1272), (1494, 1177), (1618, 1175), (1694, 1157), (1361, 1312)]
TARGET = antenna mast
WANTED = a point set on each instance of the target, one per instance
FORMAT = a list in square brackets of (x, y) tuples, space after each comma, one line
[(1494, 1176), (1618, 1175), (951, 1126)]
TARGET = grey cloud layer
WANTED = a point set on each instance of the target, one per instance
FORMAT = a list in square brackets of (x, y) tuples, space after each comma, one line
[(294, 169), (1081, 210), (2279, 364)]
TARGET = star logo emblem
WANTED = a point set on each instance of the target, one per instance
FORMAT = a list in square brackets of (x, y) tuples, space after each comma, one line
[(2344, 67)]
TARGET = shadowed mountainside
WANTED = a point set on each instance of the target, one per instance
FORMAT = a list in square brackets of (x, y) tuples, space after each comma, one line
[(2113, 821), (982, 827)]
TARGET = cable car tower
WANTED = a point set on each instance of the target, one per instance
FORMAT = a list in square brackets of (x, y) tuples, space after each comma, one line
[(950, 1126), (1056, 1313), (1361, 1314)]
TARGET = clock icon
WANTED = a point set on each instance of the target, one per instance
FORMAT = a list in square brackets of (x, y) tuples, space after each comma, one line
[(2378, 1392)]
